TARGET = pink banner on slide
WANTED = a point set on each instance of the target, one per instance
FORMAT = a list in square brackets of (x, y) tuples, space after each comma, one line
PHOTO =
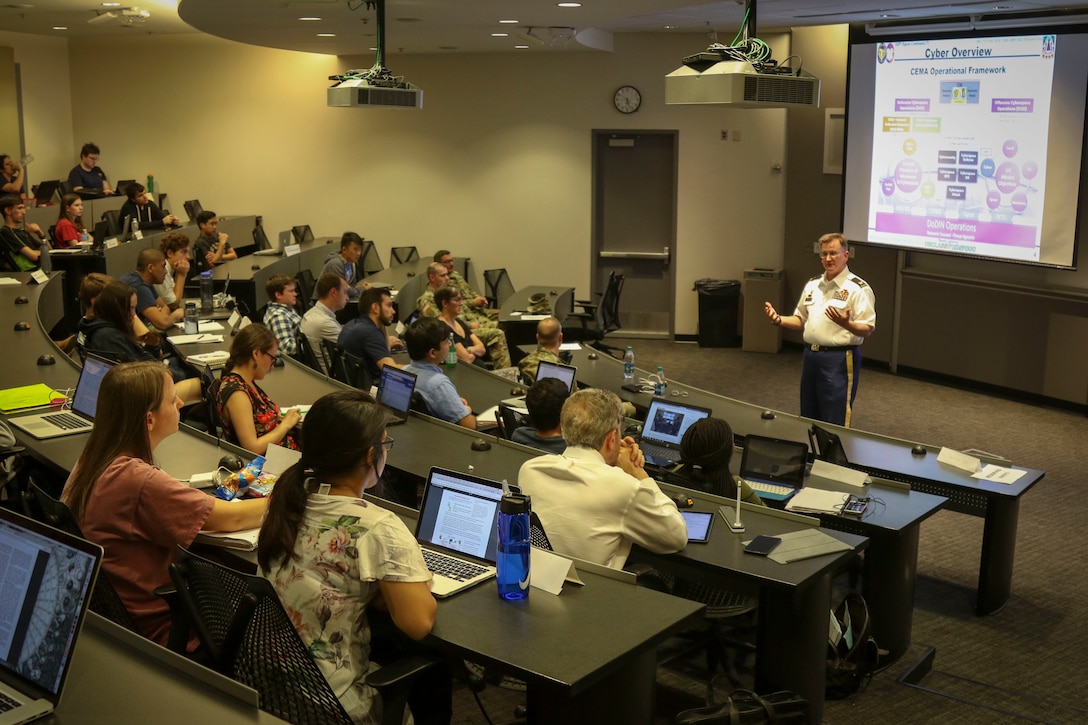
[(957, 230)]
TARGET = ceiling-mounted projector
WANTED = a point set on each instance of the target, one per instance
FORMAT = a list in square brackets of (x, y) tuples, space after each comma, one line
[(706, 79), (356, 92)]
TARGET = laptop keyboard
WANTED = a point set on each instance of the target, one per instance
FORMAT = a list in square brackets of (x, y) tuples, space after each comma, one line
[(451, 567), (652, 449), (67, 421), (7, 703), (758, 486)]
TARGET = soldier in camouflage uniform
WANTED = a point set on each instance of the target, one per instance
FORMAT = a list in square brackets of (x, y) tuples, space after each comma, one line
[(487, 330), (549, 336)]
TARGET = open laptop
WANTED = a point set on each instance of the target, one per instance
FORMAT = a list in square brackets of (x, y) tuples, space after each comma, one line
[(273, 251), (563, 373), (774, 468), (395, 388), (302, 234), (666, 423), (48, 579), (458, 529), (826, 446), (80, 419), (45, 192), (122, 185), (192, 209)]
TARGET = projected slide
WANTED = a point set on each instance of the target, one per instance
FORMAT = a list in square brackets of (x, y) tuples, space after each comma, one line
[(959, 152)]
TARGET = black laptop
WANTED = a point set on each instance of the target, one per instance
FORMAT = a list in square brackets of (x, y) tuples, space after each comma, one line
[(45, 192), (774, 468)]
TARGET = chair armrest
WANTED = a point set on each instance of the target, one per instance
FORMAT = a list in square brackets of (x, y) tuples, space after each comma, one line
[(180, 623), (399, 672)]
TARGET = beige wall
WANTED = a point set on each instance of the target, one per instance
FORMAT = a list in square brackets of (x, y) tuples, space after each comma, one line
[(496, 166)]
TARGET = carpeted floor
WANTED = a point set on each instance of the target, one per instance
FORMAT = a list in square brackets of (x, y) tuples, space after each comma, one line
[(1026, 663)]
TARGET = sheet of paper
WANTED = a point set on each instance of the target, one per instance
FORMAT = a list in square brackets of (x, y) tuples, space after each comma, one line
[(842, 474), (9, 281), (548, 571), (278, 459), (534, 318), (998, 474), (488, 416), (959, 460), (570, 346), (817, 500), (192, 339), (204, 326)]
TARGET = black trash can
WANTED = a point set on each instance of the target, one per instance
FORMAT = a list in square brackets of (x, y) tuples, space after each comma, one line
[(719, 305)]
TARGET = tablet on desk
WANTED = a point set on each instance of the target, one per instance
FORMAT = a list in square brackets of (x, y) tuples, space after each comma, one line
[(698, 523)]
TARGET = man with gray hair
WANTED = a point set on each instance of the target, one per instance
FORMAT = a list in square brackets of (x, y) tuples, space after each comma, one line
[(596, 499)]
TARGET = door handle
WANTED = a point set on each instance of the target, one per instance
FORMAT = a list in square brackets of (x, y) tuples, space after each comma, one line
[(662, 255)]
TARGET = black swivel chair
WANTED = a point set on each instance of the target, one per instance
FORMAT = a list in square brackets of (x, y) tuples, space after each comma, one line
[(305, 282), (356, 372), (402, 255), (509, 420), (305, 353), (209, 390), (250, 638), (498, 287), (599, 319), (332, 353)]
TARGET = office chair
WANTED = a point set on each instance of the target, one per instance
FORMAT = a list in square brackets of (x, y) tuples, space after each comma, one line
[(332, 353), (601, 318), (370, 262), (249, 637), (305, 282), (7, 259), (402, 255), (305, 354), (40, 506), (498, 287), (209, 392), (509, 420), (356, 372)]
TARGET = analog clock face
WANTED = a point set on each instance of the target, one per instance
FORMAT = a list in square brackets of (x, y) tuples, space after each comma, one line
[(627, 99)]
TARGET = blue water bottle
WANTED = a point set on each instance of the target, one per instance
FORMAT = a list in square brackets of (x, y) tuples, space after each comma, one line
[(513, 558)]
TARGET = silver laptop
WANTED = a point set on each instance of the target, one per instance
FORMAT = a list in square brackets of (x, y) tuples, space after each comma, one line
[(48, 577), (395, 388), (284, 240), (666, 423), (458, 529), (80, 419), (563, 373)]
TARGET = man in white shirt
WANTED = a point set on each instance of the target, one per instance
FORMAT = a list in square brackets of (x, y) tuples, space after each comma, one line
[(172, 288), (596, 499), (319, 323)]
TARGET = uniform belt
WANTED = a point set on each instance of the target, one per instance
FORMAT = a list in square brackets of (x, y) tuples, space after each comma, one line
[(828, 348)]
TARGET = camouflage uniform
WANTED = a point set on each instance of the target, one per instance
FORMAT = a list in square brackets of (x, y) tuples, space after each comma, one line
[(531, 362), (493, 338)]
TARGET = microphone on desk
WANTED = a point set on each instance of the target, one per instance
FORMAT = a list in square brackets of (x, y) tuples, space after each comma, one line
[(735, 525)]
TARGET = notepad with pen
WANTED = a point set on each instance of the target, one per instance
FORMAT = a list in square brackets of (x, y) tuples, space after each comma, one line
[(28, 396)]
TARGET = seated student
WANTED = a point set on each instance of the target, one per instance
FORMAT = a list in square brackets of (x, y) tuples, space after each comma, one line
[(69, 229), (365, 336), (146, 212), (320, 323), (428, 341), (87, 176), (12, 179), (705, 451), (450, 303), (150, 271), (596, 500), (345, 263), (280, 316), (250, 418), (212, 248), (23, 243), (545, 403), (110, 333), (131, 508), (331, 591), (549, 336), (175, 247)]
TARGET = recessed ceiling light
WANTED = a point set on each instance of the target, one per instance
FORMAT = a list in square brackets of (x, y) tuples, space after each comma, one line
[(521, 47), (500, 35), (60, 27), (309, 18), (670, 27), (888, 15), (111, 5), (509, 22), (326, 35), (373, 49), (570, 5)]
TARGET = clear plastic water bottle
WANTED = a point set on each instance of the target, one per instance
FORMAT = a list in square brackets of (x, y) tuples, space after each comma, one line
[(192, 319), (451, 354), (659, 381), (135, 228), (514, 545), (629, 365), (207, 292), (84, 237)]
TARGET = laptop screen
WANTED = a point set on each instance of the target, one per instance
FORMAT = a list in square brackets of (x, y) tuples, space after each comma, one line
[(564, 373), (47, 579), (302, 234), (395, 388), (85, 400), (771, 459), (667, 422), (460, 513)]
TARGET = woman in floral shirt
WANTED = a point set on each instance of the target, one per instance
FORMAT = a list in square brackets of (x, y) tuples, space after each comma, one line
[(332, 556), (250, 418)]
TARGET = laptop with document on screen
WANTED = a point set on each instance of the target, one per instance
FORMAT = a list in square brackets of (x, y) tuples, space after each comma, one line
[(48, 578), (774, 468), (395, 388), (458, 529), (666, 423), (80, 419)]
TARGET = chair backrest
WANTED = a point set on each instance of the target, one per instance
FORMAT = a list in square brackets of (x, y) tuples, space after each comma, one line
[(333, 359), (509, 420), (498, 286), (305, 352), (112, 217), (356, 371), (64, 188), (537, 537), (7, 256), (401, 255), (40, 506), (250, 638), (608, 313), (209, 392), (370, 262), (306, 284)]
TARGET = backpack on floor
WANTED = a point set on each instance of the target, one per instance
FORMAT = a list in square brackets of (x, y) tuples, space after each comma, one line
[(852, 653)]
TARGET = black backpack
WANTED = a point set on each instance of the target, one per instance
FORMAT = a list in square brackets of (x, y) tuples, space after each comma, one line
[(852, 660)]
